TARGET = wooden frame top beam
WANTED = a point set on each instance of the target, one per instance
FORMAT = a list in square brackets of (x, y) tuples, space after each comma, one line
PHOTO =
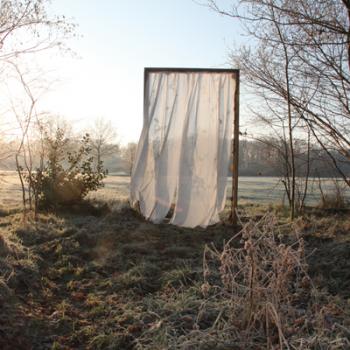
[(189, 70)]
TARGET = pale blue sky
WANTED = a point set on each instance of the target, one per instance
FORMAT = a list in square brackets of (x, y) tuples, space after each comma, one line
[(120, 38)]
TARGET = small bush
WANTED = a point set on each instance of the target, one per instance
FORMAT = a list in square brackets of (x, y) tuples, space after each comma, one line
[(67, 177)]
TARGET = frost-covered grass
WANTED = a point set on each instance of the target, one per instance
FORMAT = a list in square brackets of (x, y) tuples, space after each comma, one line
[(262, 190), (115, 281)]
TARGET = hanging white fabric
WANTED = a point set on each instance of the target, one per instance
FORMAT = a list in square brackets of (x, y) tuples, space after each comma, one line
[(184, 150)]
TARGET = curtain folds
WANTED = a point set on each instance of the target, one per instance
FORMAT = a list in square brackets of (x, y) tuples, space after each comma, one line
[(184, 150)]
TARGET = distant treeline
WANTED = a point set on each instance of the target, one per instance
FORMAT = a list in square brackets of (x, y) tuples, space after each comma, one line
[(256, 158), (267, 158)]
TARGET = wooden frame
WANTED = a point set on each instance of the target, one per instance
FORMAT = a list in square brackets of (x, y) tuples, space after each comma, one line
[(235, 140)]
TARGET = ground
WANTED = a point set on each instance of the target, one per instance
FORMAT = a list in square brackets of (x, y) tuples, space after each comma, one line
[(108, 279)]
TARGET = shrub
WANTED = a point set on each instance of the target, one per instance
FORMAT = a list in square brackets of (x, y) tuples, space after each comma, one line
[(68, 176)]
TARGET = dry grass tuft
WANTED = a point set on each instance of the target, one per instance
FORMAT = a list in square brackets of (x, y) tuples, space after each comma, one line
[(266, 297), (336, 198)]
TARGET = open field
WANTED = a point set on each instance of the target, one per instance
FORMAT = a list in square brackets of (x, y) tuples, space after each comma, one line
[(266, 93), (107, 279), (262, 190), (114, 281)]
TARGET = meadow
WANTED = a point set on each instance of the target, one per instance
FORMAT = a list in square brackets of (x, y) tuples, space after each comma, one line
[(261, 190), (252, 190), (84, 270), (102, 277)]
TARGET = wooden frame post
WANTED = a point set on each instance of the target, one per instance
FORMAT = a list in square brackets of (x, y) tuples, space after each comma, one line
[(235, 154)]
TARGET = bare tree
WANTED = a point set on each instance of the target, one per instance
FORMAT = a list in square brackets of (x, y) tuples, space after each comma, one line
[(26, 27), (24, 115), (268, 71), (298, 66), (128, 155), (316, 36), (103, 140)]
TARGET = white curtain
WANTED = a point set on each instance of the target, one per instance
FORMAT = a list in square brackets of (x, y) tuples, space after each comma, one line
[(184, 149)]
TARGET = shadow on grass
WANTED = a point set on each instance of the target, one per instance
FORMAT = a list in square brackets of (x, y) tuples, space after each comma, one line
[(98, 272), (101, 277)]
